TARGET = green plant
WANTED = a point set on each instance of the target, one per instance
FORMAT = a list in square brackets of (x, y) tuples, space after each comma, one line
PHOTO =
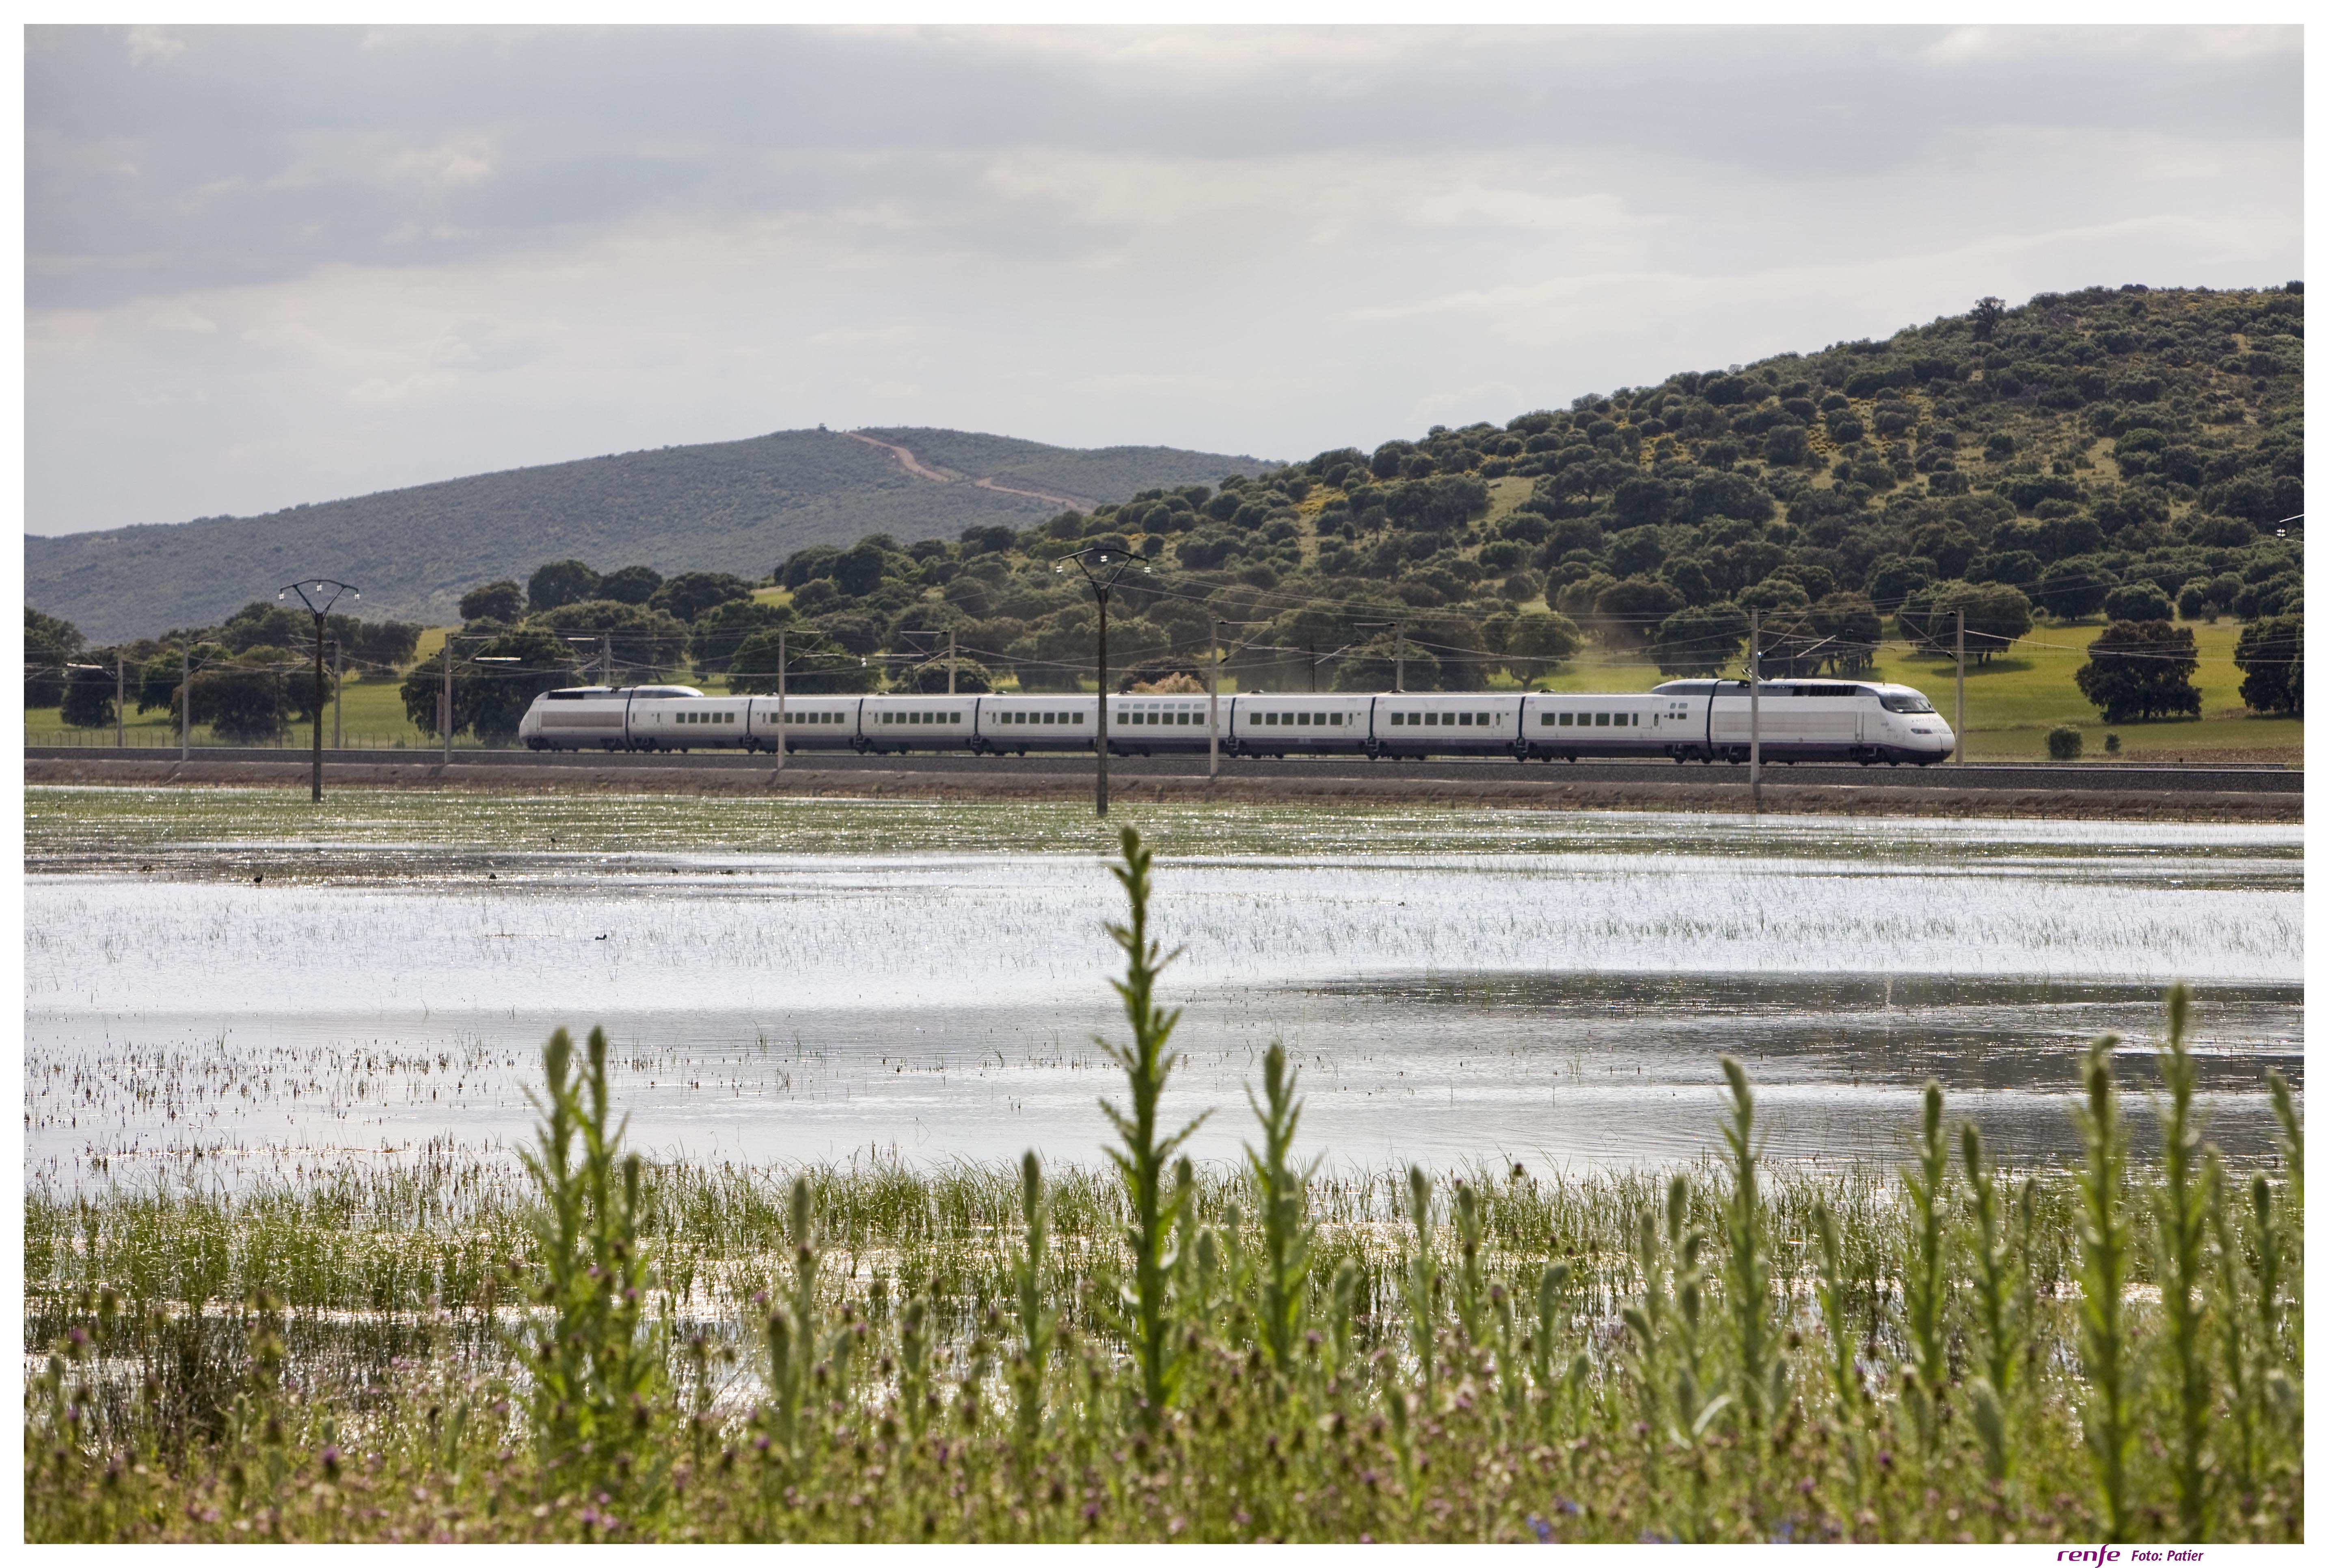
[(1926, 1284), (2065, 742), (1470, 1266), (2179, 1210), (1761, 1380), (1419, 1281), (2001, 1300), (1036, 1319), (2103, 1256), (598, 1366), (1147, 1063), (1280, 1190), (2291, 1129), (2236, 1305)]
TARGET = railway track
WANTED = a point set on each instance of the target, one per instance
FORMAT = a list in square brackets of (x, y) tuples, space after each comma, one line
[(2123, 776)]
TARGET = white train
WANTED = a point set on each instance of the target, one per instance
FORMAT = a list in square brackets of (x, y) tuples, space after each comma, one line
[(1858, 721)]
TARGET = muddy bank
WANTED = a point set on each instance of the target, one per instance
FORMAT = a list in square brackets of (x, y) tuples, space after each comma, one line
[(1515, 794)]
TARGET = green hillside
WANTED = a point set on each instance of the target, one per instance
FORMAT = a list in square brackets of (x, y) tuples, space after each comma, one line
[(736, 506), (2111, 455)]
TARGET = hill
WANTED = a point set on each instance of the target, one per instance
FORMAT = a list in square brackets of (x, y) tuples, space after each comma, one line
[(2129, 453), (736, 506), (2120, 454)]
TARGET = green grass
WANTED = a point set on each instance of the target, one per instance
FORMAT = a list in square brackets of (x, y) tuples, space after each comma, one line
[(602, 1350)]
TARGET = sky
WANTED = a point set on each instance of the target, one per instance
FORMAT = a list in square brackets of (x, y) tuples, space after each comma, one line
[(270, 265)]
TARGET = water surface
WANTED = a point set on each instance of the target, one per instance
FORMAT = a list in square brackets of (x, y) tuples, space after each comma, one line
[(223, 976)]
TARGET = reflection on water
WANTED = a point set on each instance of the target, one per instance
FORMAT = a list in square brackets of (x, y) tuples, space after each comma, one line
[(1558, 997)]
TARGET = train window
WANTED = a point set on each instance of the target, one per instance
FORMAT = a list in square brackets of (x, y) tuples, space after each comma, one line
[(1600, 720), (1334, 719), (1487, 718)]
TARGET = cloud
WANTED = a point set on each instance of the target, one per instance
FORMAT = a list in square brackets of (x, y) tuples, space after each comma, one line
[(338, 261), (175, 315), (149, 44)]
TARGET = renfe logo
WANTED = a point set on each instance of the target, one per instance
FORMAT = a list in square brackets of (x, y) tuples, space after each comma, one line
[(2105, 1554), (2088, 1555)]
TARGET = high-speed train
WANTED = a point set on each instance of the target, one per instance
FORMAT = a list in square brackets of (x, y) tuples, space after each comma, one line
[(1860, 721)]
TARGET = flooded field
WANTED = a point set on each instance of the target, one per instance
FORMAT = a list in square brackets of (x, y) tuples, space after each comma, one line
[(242, 983)]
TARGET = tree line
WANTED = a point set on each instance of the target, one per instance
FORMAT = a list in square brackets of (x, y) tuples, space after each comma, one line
[(247, 678)]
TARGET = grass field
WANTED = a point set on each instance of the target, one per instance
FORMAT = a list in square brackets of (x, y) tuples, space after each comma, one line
[(2010, 704)]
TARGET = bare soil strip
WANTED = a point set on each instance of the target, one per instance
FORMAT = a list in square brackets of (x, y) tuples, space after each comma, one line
[(1516, 795), (915, 466)]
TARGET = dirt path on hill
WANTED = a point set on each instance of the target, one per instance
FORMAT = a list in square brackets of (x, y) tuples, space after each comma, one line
[(921, 470)]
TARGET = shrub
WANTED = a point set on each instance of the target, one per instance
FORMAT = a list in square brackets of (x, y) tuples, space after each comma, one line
[(2271, 652), (2142, 601), (2065, 742), (2141, 670)]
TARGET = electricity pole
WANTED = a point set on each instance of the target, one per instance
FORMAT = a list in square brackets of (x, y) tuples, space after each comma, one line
[(319, 596), (949, 646), (445, 703), (121, 699), (185, 702), (1398, 673), (1213, 711), (338, 682), (1754, 704), (1103, 568), (782, 665), (1960, 729)]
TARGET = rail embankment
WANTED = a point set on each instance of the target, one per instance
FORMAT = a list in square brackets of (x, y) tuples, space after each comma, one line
[(1537, 793)]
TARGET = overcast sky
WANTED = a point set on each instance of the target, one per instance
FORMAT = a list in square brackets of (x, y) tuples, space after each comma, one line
[(267, 265)]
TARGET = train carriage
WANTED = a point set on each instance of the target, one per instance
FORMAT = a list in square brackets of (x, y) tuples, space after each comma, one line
[(1299, 724), (1573, 725), (810, 724), (1470, 724), (903, 724), (1142, 724), (1063, 722)]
